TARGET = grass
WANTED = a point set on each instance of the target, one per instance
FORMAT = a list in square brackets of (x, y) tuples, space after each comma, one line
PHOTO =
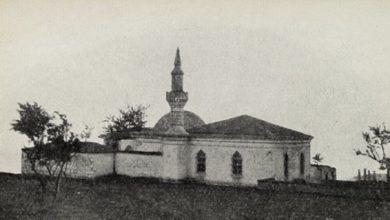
[(128, 198)]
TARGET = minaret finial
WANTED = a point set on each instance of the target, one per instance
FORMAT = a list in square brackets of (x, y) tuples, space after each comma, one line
[(177, 58)]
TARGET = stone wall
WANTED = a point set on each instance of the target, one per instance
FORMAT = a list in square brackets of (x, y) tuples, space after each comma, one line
[(321, 173), (83, 165)]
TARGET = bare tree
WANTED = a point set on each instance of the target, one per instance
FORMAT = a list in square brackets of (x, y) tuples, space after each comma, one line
[(377, 139)]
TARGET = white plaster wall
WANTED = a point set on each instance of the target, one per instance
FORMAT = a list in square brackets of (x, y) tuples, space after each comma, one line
[(90, 165), (260, 160), (176, 158), (171, 161), (83, 165), (138, 165), (294, 153)]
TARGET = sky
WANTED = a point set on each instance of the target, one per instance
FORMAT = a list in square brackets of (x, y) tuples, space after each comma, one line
[(319, 67)]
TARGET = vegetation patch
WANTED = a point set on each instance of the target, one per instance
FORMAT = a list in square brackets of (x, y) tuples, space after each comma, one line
[(118, 197)]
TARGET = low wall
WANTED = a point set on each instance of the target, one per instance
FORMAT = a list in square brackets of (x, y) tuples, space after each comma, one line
[(91, 165), (139, 164), (83, 165), (321, 173)]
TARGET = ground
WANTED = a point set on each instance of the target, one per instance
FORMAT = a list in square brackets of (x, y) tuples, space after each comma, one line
[(127, 198)]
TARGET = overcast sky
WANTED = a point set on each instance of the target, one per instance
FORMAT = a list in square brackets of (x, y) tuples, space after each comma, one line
[(319, 67)]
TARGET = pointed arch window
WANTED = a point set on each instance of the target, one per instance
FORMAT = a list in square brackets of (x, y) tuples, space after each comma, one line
[(200, 162), (237, 164), (286, 165), (302, 164)]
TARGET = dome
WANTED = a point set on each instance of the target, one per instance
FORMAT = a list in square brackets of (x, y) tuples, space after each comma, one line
[(191, 120)]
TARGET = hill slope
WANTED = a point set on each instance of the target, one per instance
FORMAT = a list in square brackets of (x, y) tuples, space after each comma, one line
[(125, 198)]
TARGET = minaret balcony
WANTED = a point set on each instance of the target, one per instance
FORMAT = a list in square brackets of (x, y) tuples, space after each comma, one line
[(177, 99)]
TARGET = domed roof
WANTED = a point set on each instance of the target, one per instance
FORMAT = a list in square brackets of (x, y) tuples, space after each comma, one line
[(191, 120)]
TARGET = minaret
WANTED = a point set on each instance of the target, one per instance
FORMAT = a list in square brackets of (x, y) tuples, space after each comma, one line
[(177, 98)]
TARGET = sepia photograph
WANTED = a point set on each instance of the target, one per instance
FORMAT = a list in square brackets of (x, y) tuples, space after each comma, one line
[(168, 109)]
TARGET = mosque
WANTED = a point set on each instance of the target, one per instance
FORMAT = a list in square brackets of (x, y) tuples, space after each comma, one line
[(237, 151)]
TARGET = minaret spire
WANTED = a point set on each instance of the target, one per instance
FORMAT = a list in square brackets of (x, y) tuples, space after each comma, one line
[(177, 73), (177, 98), (177, 58)]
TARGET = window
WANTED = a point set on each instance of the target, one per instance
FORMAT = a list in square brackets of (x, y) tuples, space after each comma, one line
[(286, 165), (302, 163), (200, 162), (237, 164)]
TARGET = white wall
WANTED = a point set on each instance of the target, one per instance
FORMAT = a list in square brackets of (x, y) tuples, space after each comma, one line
[(90, 165), (176, 153), (83, 165), (138, 165), (135, 157), (261, 160), (171, 165), (176, 159)]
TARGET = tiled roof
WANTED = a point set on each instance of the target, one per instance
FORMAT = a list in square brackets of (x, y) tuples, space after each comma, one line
[(245, 126)]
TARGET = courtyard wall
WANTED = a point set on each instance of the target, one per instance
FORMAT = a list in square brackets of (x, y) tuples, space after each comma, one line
[(82, 165)]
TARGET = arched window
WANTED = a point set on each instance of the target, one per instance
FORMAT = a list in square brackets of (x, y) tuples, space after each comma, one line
[(200, 162), (302, 164), (237, 164), (286, 165)]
